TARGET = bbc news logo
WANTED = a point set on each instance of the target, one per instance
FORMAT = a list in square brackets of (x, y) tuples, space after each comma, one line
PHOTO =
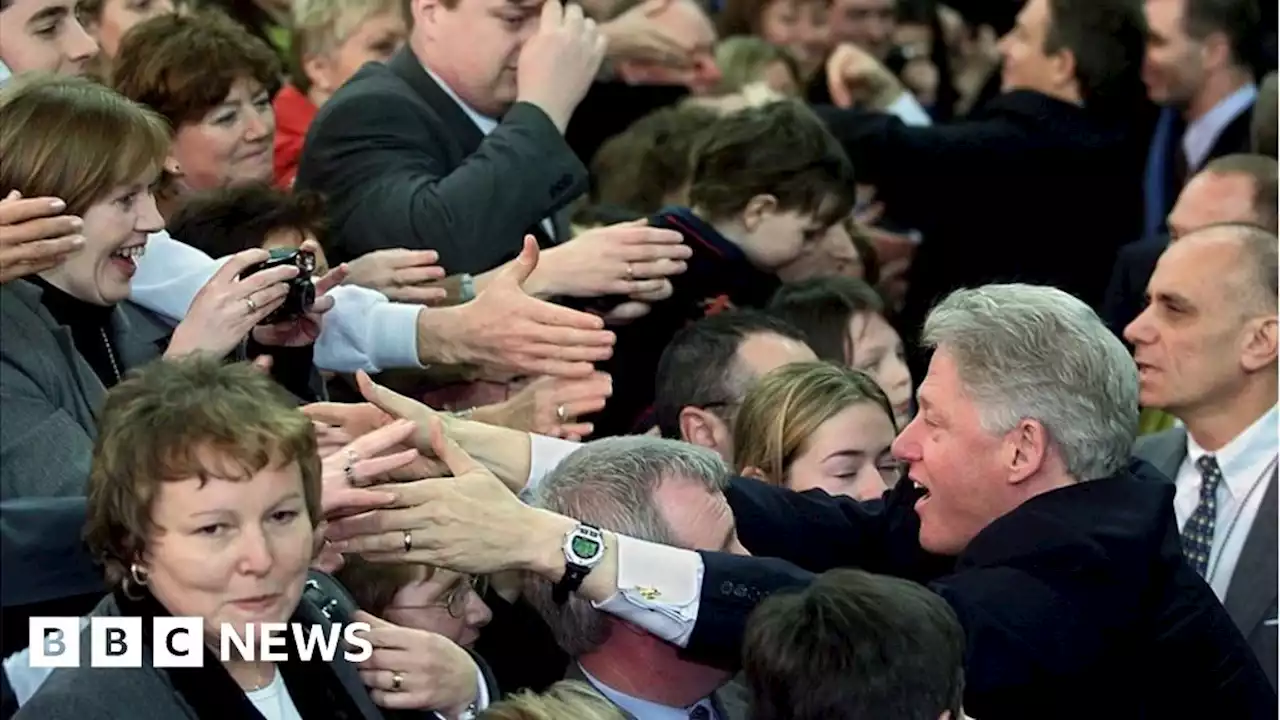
[(178, 642)]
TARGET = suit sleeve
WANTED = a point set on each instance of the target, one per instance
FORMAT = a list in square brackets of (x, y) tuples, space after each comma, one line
[(44, 452), (818, 532), (43, 556), (909, 164), (381, 162)]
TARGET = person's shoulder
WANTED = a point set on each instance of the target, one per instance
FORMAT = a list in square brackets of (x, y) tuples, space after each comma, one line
[(85, 693), (375, 88)]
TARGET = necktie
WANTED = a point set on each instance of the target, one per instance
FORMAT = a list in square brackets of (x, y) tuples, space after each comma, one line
[(1197, 534), (699, 712)]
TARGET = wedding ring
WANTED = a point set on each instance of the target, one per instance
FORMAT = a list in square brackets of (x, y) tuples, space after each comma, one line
[(349, 469), (397, 681), (631, 274), (561, 413), (253, 306), (408, 541)]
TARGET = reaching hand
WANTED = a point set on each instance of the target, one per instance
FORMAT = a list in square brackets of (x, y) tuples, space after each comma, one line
[(551, 406), (303, 330), (413, 669), (406, 276), (559, 63), (856, 77), (626, 259), (469, 522), (506, 329), (227, 308), (35, 235), (634, 35)]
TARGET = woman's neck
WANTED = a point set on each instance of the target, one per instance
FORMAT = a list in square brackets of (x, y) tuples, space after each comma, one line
[(250, 676)]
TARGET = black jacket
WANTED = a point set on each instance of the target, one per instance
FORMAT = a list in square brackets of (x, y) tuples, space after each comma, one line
[(1127, 291), (1030, 189), (1076, 604), (402, 165)]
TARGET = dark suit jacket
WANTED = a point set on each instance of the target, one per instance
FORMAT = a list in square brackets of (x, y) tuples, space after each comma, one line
[(1252, 596), (1076, 604), (1127, 291), (402, 165), (1161, 180), (1014, 194)]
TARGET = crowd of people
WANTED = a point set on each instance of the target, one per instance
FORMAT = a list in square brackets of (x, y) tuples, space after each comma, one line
[(644, 359)]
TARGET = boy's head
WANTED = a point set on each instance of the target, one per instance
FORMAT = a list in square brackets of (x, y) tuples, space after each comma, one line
[(771, 178), (229, 220), (332, 39), (647, 166), (44, 35)]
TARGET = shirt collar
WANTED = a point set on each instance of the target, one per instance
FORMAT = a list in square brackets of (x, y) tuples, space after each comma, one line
[(486, 124), (4, 73), (1239, 459), (1203, 132), (643, 709)]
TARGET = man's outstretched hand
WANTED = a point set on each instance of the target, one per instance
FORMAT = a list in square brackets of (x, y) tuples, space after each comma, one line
[(505, 328)]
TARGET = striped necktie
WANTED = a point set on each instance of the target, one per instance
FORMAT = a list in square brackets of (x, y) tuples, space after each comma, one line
[(1197, 534)]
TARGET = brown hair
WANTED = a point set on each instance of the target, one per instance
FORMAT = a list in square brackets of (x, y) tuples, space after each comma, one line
[(783, 408), (183, 66), (780, 149), (822, 308), (566, 700), (640, 168), (1262, 171), (374, 585), (743, 59), (167, 423), (73, 139)]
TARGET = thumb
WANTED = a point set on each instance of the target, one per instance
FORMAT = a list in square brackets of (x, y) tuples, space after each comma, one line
[(457, 460), (841, 97), (522, 267), (386, 400)]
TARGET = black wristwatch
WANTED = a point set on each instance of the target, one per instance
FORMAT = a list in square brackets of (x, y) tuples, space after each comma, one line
[(583, 550)]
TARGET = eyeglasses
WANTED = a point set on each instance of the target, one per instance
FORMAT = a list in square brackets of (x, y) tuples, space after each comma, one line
[(455, 601)]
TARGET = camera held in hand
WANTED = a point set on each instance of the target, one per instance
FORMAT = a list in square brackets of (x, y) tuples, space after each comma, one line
[(302, 289)]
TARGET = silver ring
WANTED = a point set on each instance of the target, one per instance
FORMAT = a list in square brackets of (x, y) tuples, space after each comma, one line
[(397, 681), (631, 273), (349, 469), (561, 413), (408, 541), (253, 306)]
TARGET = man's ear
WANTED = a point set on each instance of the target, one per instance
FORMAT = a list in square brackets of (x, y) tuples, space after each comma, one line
[(1259, 345), (703, 428), (1063, 64), (1026, 448), (757, 210), (1215, 51), (755, 473), (171, 165)]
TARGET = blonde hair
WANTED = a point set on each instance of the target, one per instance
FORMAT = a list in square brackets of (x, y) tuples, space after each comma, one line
[(786, 406), (566, 700), (743, 59), (74, 139), (321, 26)]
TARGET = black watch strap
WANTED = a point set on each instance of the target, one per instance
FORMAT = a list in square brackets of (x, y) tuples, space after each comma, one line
[(569, 583)]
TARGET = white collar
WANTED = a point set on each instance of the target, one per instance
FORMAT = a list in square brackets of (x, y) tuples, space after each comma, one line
[(1203, 132), (485, 123), (5, 74), (644, 709), (1246, 451)]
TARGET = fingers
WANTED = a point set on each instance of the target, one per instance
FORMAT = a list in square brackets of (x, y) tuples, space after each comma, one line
[(388, 401), (368, 471), (575, 431), (332, 279), (21, 232), (240, 262), (560, 343), (627, 312), (661, 291), (417, 275), (518, 271), (418, 295), (404, 258), (15, 210), (572, 327), (458, 461), (552, 14), (272, 279), (382, 439), (338, 503), (537, 365)]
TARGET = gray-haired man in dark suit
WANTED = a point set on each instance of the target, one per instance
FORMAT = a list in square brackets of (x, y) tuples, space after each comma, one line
[(1206, 350)]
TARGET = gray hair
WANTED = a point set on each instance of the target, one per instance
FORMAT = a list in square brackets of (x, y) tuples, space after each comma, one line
[(610, 483), (1031, 352)]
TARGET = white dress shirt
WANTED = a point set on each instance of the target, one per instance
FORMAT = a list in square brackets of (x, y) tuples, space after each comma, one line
[(1247, 463), (1203, 132), (644, 709), (487, 125), (907, 109), (659, 586)]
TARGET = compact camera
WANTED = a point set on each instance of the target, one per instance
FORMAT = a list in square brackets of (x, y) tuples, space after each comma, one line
[(302, 290)]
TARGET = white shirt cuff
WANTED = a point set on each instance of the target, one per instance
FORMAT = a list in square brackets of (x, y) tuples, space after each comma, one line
[(907, 109), (544, 454), (659, 589)]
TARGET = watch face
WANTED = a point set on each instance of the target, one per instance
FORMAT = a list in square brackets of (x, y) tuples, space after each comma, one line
[(585, 548)]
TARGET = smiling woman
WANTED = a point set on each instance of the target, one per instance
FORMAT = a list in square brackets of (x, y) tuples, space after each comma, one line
[(211, 79)]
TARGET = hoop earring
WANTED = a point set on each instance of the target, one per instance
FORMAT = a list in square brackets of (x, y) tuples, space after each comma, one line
[(138, 573), (135, 582)]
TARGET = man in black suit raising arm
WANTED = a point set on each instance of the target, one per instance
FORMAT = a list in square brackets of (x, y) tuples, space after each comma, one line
[(456, 145), (1060, 558)]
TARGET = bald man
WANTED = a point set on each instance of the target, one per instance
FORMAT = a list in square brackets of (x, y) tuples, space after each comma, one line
[(1206, 349)]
